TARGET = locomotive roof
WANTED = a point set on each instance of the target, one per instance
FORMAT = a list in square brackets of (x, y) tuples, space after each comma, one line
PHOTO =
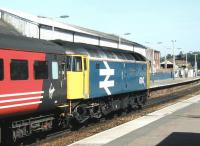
[(99, 52), (8, 41)]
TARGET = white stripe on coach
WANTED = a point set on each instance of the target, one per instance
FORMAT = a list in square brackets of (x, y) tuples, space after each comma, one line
[(18, 105), (20, 99), (23, 93)]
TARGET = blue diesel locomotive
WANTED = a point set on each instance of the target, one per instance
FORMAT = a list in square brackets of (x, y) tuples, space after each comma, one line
[(103, 80)]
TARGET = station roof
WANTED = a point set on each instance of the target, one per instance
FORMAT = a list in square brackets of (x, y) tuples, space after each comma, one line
[(70, 27), (8, 29)]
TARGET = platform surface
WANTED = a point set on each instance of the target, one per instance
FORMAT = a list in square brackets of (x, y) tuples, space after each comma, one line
[(171, 81), (175, 125)]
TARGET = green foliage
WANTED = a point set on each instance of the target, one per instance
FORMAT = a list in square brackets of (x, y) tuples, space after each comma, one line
[(191, 58), (181, 56)]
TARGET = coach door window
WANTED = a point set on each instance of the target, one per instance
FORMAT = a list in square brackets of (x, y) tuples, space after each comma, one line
[(41, 70), (19, 69), (1, 70), (54, 70)]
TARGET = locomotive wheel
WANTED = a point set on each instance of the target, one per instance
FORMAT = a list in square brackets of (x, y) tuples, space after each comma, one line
[(81, 113)]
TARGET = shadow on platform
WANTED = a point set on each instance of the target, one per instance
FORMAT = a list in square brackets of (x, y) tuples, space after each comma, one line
[(181, 139)]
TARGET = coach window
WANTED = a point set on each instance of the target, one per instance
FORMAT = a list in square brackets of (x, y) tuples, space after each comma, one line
[(54, 70), (41, 70), (1, 70), (19, 69)]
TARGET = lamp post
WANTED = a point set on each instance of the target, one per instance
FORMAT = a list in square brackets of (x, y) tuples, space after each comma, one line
[(174, 63), (52, 21), (186, 62), (195, 62), (195, 65), (119, 38)]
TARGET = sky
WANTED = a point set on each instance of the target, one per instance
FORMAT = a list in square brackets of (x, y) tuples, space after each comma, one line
[(148, 21)]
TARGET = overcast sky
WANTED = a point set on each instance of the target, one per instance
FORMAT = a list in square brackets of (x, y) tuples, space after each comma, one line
[(149, 21)]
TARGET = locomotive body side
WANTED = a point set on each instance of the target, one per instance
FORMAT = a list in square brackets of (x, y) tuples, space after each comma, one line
[(116, 77)]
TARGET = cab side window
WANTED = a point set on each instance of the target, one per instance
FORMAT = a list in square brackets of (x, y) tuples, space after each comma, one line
[(85, 64), (54, 70), (19, 69), (63, 67), (1, 70), (41, 70), (69, 63), (74, 63), (77, 64)]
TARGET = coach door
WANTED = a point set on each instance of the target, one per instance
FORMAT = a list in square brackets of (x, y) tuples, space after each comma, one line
[(77, 77)]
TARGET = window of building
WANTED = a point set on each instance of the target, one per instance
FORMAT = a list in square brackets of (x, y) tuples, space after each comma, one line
[(1, 70), (19, 69), (54, 70), (41, 70)]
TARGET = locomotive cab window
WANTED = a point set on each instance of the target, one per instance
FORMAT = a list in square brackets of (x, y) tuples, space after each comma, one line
[(19, 69), (85, 64), (41, 70), (54, 70), (1, 70), (74, 63), (63, 70), (77, 64)]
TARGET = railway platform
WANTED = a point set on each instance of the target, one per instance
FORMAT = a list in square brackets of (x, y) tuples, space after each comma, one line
[(174, 125), (171, 81)]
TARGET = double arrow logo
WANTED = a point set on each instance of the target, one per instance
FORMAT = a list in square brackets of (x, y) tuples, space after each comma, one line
[(106, 83)]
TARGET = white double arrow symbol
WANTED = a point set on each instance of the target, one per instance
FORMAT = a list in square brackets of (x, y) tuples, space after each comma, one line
[(106, 83)]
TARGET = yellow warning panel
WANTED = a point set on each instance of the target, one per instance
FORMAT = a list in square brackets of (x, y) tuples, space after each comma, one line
[(75, 85), (77, 77), (148, 75)]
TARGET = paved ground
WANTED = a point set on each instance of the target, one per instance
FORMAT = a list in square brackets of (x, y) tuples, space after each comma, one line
[(175, 125), (178, 129)]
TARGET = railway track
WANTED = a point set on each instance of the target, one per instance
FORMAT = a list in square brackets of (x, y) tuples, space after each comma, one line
[(159, 97)]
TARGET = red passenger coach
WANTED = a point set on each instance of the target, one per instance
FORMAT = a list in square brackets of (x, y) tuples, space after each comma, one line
[(32, 86), (19, 91)]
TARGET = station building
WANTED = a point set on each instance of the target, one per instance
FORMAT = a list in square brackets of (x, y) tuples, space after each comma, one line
[(49, 29), (154, 58)]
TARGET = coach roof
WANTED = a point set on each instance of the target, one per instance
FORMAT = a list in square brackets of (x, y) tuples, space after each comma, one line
[(8, 41)]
